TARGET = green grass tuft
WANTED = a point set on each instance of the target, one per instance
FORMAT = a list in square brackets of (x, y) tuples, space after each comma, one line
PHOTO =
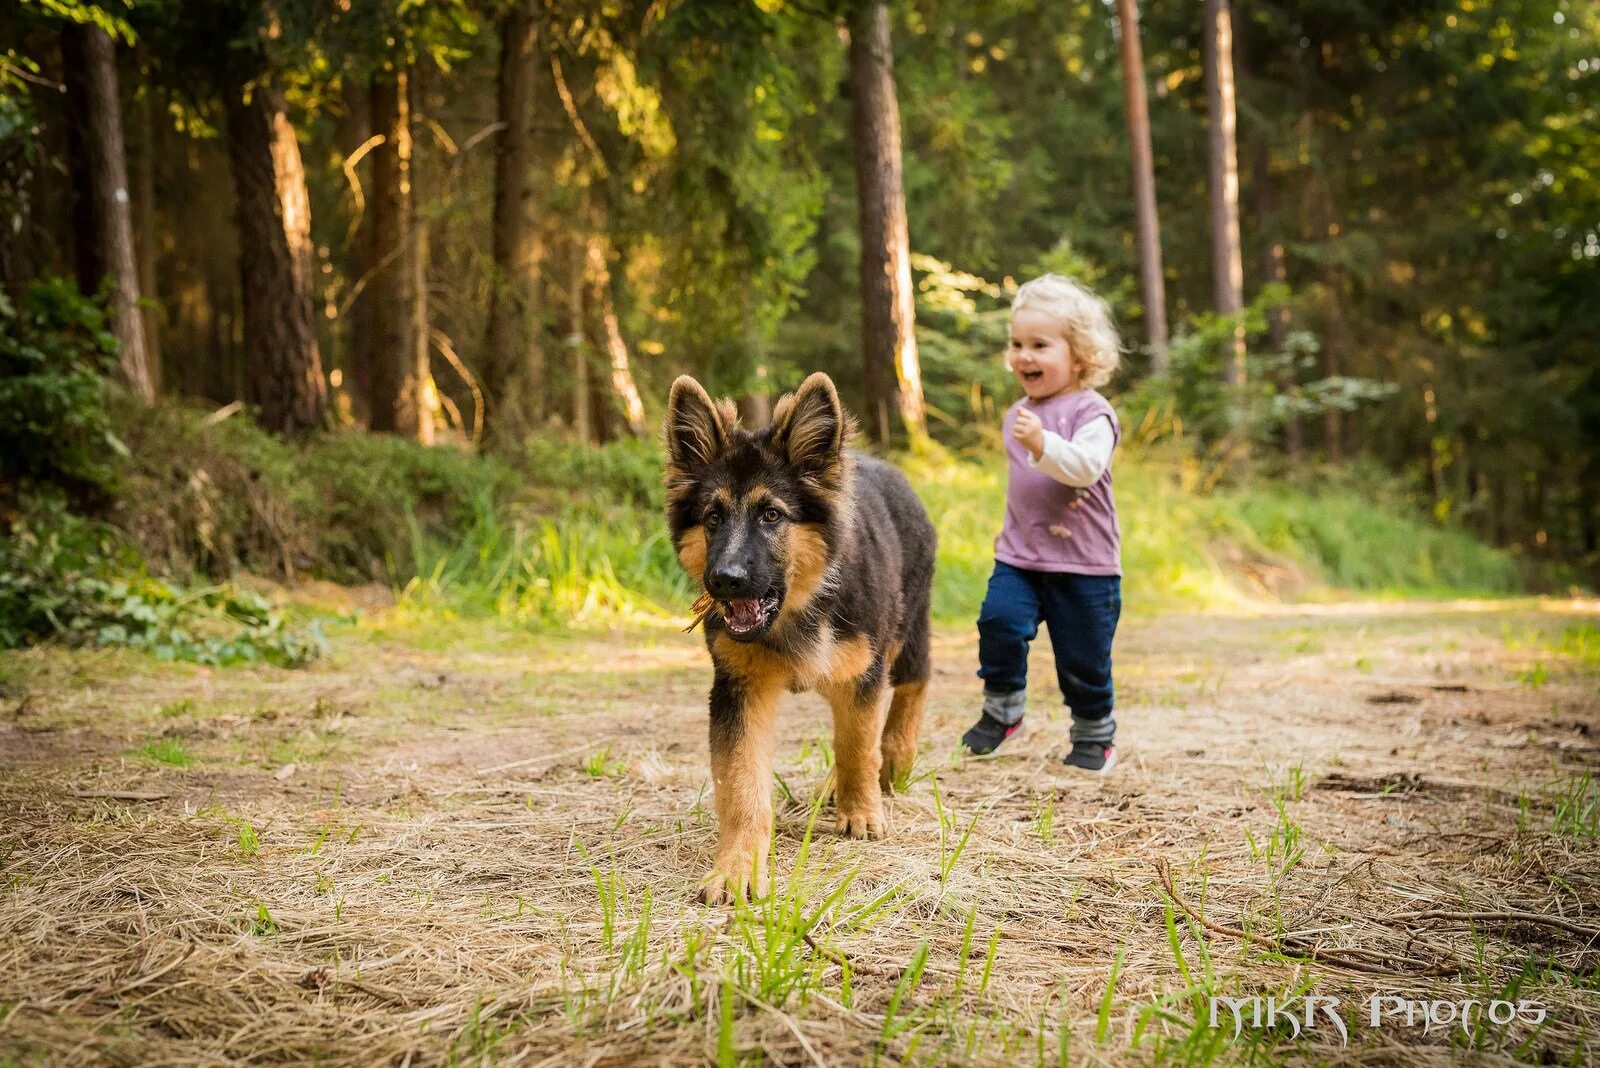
[(169, 751)]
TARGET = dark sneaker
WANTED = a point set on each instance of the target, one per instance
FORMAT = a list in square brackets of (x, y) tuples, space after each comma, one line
[(987, 734), (1094, 757)]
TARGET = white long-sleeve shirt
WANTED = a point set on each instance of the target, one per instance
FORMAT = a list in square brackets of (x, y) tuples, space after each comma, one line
[(1082, 460)]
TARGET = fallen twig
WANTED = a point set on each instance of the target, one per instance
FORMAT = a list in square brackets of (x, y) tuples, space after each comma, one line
[(1348, 959), (840, 959), (1510, 916)]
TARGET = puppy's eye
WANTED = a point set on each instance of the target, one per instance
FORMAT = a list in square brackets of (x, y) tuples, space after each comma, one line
[(713, 521), (771, 515)]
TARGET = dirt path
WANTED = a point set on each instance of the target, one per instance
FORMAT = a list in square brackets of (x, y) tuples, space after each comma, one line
[(454, 840)]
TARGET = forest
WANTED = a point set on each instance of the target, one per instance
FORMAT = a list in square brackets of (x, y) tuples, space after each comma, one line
[(467, 224), (349, 707)]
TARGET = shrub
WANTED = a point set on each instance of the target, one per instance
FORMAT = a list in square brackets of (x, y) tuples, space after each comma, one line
[(208, 496), (626, 471), (69, 579), (375, 496), (1193, 398), (54, 428), (204, 497)]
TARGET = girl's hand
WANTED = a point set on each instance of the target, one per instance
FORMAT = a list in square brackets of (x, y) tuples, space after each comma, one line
[(1030, 432)]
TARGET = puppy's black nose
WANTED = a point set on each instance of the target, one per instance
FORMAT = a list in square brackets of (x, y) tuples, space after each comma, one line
[(729, 581)]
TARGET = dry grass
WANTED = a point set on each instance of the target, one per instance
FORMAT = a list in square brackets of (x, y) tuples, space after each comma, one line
[(473, 844)]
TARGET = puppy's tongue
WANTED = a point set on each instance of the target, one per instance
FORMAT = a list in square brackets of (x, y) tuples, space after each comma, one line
[(743, 614)]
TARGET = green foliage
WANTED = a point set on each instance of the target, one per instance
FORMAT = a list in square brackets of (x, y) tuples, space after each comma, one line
[(584, 561), (727, 219), (70, 580), (205, 496), (20, 148), (564, 532), (1576, 803), (962, 327), (375, 497), (1355, 542), (1185, 543), (627, 471), (602, 553), (1192, 398), (54, 428), (108, 17)]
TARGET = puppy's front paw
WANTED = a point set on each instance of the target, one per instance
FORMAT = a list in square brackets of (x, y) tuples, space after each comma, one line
[(863, 820)]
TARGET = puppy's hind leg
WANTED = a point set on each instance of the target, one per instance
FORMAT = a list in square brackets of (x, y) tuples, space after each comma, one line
[(901, 732), (903, 728)]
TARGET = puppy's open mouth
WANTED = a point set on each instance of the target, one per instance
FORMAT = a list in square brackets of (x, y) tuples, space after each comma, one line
[(750, 615)]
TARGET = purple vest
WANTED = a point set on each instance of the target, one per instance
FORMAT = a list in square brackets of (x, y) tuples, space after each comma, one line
[(1042, 532)]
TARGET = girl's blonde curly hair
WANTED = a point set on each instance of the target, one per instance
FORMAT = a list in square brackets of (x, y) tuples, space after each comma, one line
[(1085, 322)]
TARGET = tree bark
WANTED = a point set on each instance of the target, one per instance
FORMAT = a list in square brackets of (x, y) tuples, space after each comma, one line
[(577, 346), (353, 328), (1227, 267), (391, 303), (91, 63), (1144, 187), (417, 250), (513, 353), (622, 383), (283, 364), (145, 247), (888, 315), (87, 259)]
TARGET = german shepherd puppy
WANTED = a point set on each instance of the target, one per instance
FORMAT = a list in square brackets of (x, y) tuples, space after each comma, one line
[(818, 564)]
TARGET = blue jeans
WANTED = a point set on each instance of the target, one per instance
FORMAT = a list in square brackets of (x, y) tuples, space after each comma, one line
[(1081, 612)]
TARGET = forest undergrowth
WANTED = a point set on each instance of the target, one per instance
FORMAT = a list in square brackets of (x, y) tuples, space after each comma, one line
[(559, 534)]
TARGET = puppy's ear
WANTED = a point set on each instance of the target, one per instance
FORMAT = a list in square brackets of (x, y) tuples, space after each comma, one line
[(811, 427), (697, 427)]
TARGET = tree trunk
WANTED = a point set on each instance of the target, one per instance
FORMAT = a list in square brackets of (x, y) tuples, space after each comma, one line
[(755, 407), (391, 304), (622, 384), (1275, 269), (1227, 268), (1144, 187), (427, 392), (145, 200), (88, 260), (577, 347), (888, 315), (354, 327), (1335, 338), (283, 366), (513, 354), (91, 62)]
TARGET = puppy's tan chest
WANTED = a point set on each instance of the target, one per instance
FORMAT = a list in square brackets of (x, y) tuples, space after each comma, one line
[(832, 661), (826, 661)]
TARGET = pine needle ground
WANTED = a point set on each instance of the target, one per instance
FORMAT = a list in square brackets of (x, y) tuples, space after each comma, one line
[(468, 844)]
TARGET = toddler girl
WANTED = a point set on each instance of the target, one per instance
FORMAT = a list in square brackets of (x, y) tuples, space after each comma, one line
[(1059, 554)]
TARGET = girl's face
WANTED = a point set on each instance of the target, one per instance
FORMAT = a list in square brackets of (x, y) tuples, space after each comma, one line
[(1040, 355)]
